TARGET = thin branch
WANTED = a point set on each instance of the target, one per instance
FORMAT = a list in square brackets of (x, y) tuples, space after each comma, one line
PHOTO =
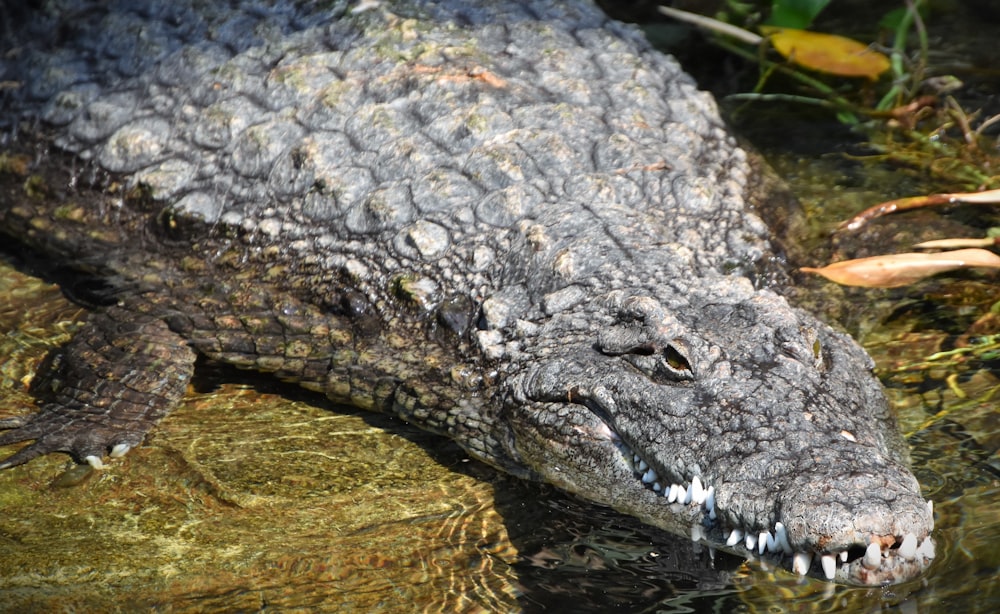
[(712, 24)]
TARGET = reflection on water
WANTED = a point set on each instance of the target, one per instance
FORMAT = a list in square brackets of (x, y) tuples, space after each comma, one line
[(576, 557)]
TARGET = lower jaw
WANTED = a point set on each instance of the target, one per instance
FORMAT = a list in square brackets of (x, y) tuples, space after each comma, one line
[(868, 566)]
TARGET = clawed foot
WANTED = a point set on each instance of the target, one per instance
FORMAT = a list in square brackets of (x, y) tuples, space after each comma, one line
[(52, 430), (120, 375)]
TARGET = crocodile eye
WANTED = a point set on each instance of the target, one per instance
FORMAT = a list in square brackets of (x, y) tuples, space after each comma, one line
[(818, 352), (676, 360), (664, 364)]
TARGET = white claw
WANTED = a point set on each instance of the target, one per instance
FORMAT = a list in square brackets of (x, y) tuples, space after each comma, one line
[(120, 450), (801, 562), (908, 549), (762, 541), (734, 537), (697, 491), (781, 538), (750, 542), (873, 557), (829, 562), (94, 461)]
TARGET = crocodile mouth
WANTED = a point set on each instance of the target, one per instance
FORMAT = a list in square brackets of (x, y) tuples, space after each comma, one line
[(859, 521), (881, 561)]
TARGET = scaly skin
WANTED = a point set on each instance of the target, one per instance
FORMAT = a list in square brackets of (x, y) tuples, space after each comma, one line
[(513, 224)]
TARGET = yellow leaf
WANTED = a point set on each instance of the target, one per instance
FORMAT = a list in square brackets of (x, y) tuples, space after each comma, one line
[(827, 53), (897, 270)]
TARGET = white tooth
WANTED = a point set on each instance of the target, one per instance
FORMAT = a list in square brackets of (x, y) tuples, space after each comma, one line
[(772, 544), (710, 502), (649, 477), (801, 562), (750, 542), (697, 491), (829, 562), (657, 487), (781, 538), (672, 495), (641, 467), (734, 537), (120, 450), (926, 549), (684, 496), (697, 532), (635, 459), (873, 557), (908, 549), (843, 556), (762, 540), (94, 461)]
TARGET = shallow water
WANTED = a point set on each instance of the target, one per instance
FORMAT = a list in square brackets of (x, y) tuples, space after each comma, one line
[(255, 497)]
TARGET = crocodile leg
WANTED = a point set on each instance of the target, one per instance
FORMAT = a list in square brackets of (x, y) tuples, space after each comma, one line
[(117, 378)]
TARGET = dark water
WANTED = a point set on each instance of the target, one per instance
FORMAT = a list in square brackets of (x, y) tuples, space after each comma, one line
[(252, 497)]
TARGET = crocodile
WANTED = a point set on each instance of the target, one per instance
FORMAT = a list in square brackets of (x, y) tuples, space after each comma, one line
[(512, 223)]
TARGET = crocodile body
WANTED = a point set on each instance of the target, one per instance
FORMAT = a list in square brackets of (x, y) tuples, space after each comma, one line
[(511, 223)]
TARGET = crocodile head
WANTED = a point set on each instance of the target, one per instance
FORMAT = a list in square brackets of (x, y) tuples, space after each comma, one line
[(732, 417)]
